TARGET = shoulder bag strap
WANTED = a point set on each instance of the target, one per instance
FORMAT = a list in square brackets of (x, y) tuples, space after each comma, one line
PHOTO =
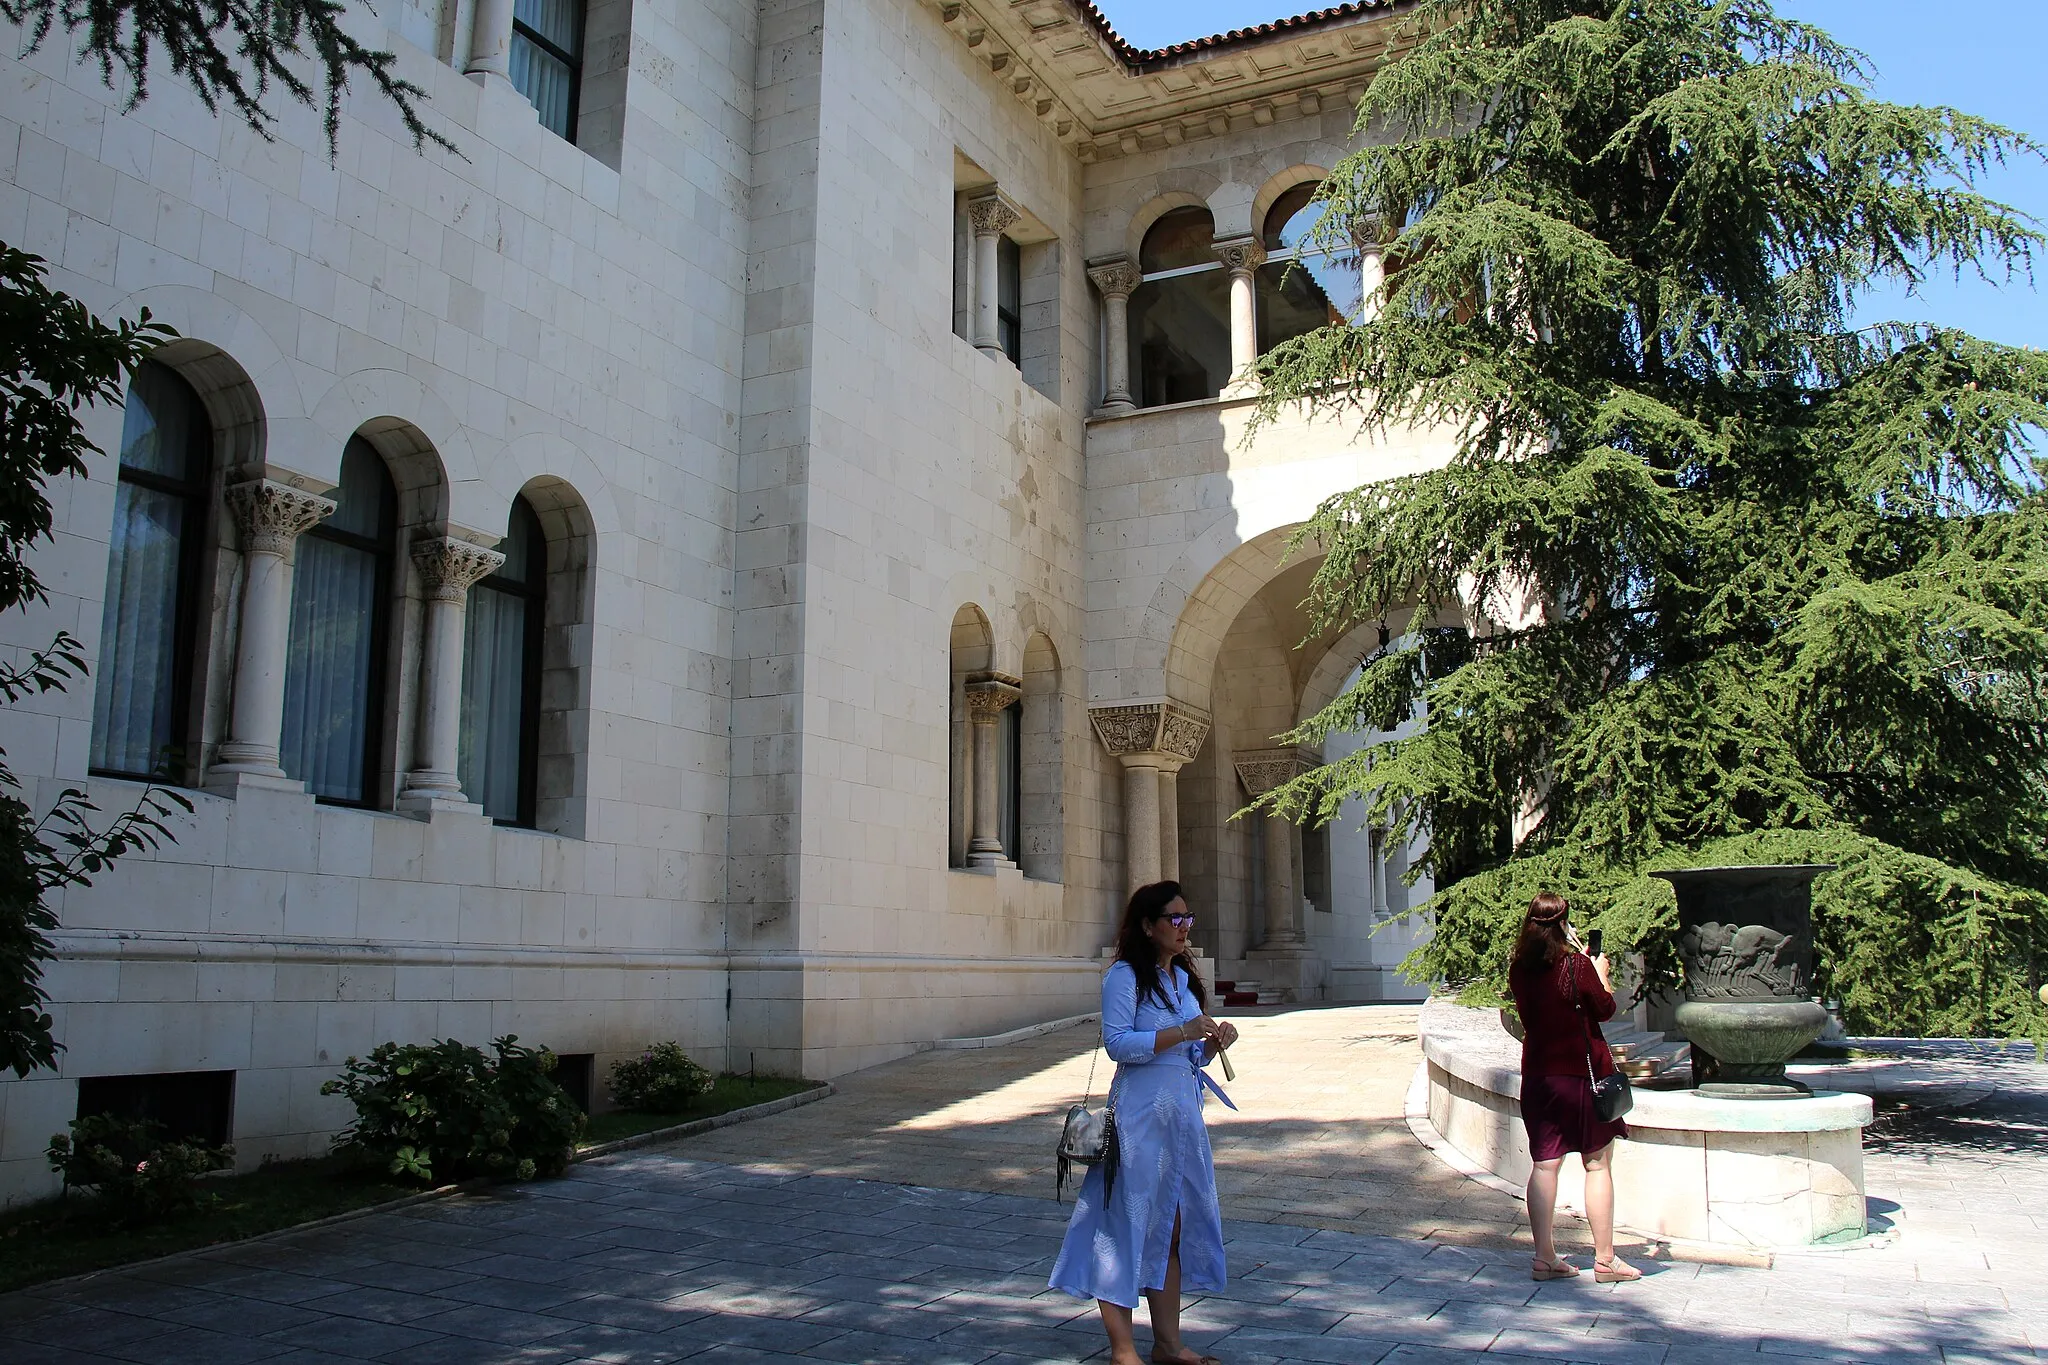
[(1585, 1019)]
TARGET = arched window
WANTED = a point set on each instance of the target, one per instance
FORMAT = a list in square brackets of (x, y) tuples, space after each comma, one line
[(1180, 312), (501, 648), (142, 697), (334, 661), (1300, 287)]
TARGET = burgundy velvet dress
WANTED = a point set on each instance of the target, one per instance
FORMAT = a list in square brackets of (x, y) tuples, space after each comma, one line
[(1562, 1008)]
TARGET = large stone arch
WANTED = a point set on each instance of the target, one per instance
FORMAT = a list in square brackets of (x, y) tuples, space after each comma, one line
[(237, 369), (410, 424), (1278, 183)]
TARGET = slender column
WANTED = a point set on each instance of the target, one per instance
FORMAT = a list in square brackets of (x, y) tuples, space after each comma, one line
[(988, 696), (991, 216), (448, 567), (1169, 824), (1261, 770), (1283, 907), (1372, 279), (1152, 740), (1141, 822), (270, 516), (1242, 258), (490, 43), (1116, 279)]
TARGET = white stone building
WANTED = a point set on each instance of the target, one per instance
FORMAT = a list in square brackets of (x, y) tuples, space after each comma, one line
[(762, 549)]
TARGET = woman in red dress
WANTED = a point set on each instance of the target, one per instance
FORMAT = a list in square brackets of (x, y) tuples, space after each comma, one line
[(1563, 996)]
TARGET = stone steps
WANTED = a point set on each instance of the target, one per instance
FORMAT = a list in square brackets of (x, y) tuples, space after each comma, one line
[(1244, 991)]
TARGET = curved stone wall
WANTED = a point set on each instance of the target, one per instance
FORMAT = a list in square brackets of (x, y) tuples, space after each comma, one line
[(1759, 1174)]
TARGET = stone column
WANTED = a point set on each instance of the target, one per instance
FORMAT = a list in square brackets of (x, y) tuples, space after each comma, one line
[(1242, 258), (270, 515), (991, 215), (1169, 824), (1261, 770), (490, 44), (1115, 279), (988, 696), (448, 567), (1142, 862), (1152, 740), (1372, 279)]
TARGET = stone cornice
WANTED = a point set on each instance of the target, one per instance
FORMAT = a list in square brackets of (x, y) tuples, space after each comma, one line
[(1104, 98)]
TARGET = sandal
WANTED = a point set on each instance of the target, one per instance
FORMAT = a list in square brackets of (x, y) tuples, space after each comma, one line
[(1158, 1359), (1614, 1271), (1552, 1270)]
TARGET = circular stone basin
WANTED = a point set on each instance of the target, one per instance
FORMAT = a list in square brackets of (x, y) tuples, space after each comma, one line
[(1696, 1168)]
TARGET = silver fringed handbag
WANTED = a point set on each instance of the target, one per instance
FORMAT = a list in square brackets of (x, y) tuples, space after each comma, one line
[(1088, 1138)]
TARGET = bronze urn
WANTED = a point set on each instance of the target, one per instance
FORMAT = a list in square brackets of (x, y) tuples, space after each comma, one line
[(1746, 937)]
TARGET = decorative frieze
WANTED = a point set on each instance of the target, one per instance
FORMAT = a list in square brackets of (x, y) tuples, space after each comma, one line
[(1165, 728), (1261, 770)]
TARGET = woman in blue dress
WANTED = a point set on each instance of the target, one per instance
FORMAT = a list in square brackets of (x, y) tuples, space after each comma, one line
[(1160, 1226)]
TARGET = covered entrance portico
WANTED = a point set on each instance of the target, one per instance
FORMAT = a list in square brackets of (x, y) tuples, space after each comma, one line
[(1310, 914)]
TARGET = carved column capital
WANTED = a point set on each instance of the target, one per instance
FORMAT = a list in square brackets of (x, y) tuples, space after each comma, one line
[(1172, 732), (1241, 256), (989, 694), (449, 567), (1115, 277), (271, 515), (991, 214), (1261, 770)]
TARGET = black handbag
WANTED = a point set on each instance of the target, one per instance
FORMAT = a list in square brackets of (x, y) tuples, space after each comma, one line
[(1087, 1138), (1613, 1096)]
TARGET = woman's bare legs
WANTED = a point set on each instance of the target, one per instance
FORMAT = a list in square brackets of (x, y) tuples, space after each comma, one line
[(1543, 1209), (1600, 1207), (1116, 1320), (1165, 1305)]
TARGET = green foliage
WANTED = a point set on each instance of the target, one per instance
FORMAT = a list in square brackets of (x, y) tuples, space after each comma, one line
[(55, 358), (136, 1175), (230, 52), (661, 1080), (1731, 568), (446, 1111)]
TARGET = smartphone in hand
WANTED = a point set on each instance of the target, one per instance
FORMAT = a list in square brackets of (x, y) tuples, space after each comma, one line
[(1593, 937)]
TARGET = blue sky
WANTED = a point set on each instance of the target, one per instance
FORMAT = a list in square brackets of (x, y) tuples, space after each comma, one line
[(1983, 57)]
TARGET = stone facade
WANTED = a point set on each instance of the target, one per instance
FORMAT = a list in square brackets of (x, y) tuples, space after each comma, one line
[(734, 348)]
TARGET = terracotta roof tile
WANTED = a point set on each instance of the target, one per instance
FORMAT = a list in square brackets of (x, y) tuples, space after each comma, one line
[(1138, 56)]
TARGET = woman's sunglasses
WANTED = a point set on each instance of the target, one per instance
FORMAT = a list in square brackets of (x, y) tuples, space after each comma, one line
[(1180, 921)]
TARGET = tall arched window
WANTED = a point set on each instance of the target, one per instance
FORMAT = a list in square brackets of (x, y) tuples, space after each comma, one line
[(142, 696), (501, 648), (1300, 287), (341, 606), (1180, 312)]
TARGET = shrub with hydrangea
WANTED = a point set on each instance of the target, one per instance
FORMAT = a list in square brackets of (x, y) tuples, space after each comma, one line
[(661, 1080)]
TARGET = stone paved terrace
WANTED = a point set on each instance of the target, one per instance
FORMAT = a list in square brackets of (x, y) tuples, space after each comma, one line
[(908, 1220)]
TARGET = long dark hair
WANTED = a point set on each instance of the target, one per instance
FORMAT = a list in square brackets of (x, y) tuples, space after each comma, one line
[(1542, 943), (1135, 946)]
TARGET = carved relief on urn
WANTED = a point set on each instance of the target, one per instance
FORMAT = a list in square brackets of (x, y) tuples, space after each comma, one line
[(1745, 935)]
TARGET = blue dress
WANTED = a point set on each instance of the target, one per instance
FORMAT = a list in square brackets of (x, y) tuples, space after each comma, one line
[(1117, 1248)]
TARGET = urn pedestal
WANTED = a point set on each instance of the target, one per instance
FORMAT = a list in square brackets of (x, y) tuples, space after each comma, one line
[(1746, 937)]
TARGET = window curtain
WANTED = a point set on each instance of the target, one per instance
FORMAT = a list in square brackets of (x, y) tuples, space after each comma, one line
[(1009, 778), (328, 687), (544, 79), (132, 721), (493, 700), (165, 444)]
